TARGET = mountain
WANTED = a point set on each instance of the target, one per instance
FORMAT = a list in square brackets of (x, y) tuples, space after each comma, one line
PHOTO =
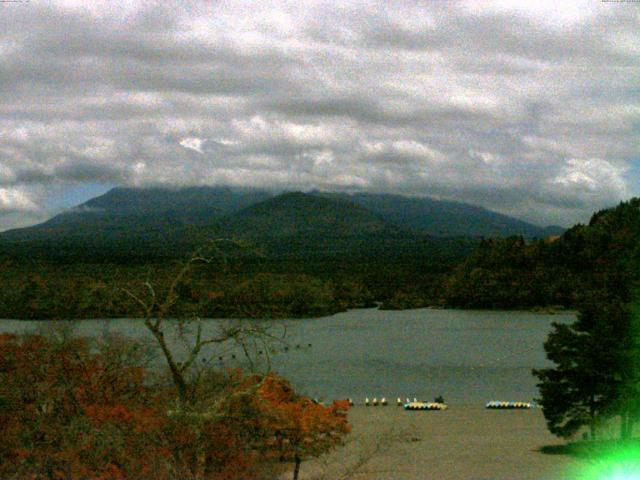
[(159, 207), (304, 226), (296, 213), (162, 222), (143, 209), (445, 218), (131, 222)]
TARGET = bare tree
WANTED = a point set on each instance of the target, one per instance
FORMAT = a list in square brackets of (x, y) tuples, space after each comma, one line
[(249, 337), (190, 368)]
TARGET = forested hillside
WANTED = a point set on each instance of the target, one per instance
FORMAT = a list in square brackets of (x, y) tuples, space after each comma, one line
[(445, 218), (512, 273), (160, 222)]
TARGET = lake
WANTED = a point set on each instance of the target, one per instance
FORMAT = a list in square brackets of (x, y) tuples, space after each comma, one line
[(466, 356)]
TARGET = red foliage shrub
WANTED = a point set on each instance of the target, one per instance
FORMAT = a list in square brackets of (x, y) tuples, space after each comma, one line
[(69, 410)]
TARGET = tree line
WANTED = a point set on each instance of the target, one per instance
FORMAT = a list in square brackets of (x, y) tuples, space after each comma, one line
[(596, 372), (268, 289), (499, 273)]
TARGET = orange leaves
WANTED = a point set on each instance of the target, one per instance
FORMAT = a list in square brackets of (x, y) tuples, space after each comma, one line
[(276, 390), (6, 337), (137, 420), (300, 426), (215, 295), (68, 410), (117, 414), (67, 413), (340, 406)]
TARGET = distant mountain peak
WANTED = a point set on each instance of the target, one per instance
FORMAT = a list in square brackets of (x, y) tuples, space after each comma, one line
[(179, 216), (295, 213)]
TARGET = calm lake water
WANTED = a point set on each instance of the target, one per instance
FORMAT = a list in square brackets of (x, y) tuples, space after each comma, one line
[(466, 356)]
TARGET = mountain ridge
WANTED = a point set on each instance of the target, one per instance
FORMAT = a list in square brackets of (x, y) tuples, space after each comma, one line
[(159, 207), (157, 223)]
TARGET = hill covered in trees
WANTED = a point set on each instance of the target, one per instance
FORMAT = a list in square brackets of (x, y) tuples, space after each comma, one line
[(513, 273), (301, 254), (295, 225), (445, 218)]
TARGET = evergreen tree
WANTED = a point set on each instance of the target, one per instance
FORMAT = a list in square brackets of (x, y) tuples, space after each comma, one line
[(597, 358), (577, 391)]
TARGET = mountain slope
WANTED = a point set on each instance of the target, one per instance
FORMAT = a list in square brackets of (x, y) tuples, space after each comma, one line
[(154, 207), (304, 226), (136, 218), (148, 208), (303, 214), (162, 222), (445, 218)]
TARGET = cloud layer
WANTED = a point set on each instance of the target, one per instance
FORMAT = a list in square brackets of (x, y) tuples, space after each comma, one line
[(531, 112)]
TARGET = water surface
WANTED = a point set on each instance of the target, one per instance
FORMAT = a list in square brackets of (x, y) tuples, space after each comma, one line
[(466, 356)]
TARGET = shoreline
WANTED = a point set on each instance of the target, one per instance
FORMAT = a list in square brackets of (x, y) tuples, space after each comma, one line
[(532, 310)]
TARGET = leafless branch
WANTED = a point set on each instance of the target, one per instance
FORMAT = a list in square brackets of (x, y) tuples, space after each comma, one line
[(156, 310)]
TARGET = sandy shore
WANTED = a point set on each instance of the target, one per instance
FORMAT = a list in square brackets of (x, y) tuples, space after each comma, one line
[(462, 443)]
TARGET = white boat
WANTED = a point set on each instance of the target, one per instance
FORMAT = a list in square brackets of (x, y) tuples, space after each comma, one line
[(415, 405)]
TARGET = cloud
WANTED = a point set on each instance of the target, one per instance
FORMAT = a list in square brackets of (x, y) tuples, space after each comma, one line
[(192, 143), (531, 110), (14, 201)]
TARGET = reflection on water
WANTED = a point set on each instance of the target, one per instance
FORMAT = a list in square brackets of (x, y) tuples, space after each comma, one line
[(466, 356)]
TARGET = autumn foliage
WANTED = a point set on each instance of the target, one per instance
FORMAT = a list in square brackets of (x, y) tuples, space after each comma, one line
[(67, 412), (293, 426), (301, 426), (74, 409)]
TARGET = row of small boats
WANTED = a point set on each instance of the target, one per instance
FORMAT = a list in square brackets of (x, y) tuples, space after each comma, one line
[(416, 404), (425, 406), (374, 402), (497, 405)]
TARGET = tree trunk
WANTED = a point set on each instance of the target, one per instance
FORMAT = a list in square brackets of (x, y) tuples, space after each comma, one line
[(201, 462), (592, 420), (176, 374), (201, 456), (624, 424), (296, 470)]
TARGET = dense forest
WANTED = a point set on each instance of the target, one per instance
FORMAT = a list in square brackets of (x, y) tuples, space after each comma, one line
[(342, 259), (290, 255), (595, 376), (512, 273), (40, 290)]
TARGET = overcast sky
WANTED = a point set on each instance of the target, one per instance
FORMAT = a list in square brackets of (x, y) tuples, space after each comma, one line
[(531, 111)]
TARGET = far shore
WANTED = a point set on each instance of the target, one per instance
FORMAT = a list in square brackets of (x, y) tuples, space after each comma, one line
[(534, 310)]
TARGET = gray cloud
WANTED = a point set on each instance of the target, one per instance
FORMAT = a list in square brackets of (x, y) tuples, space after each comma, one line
[(530, 111)]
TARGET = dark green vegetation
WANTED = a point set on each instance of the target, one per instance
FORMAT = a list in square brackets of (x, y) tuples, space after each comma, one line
[(159, 223), (244, 288), (302, 254), (596, 373), (117, 227), (512, 273), (445, 218)]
